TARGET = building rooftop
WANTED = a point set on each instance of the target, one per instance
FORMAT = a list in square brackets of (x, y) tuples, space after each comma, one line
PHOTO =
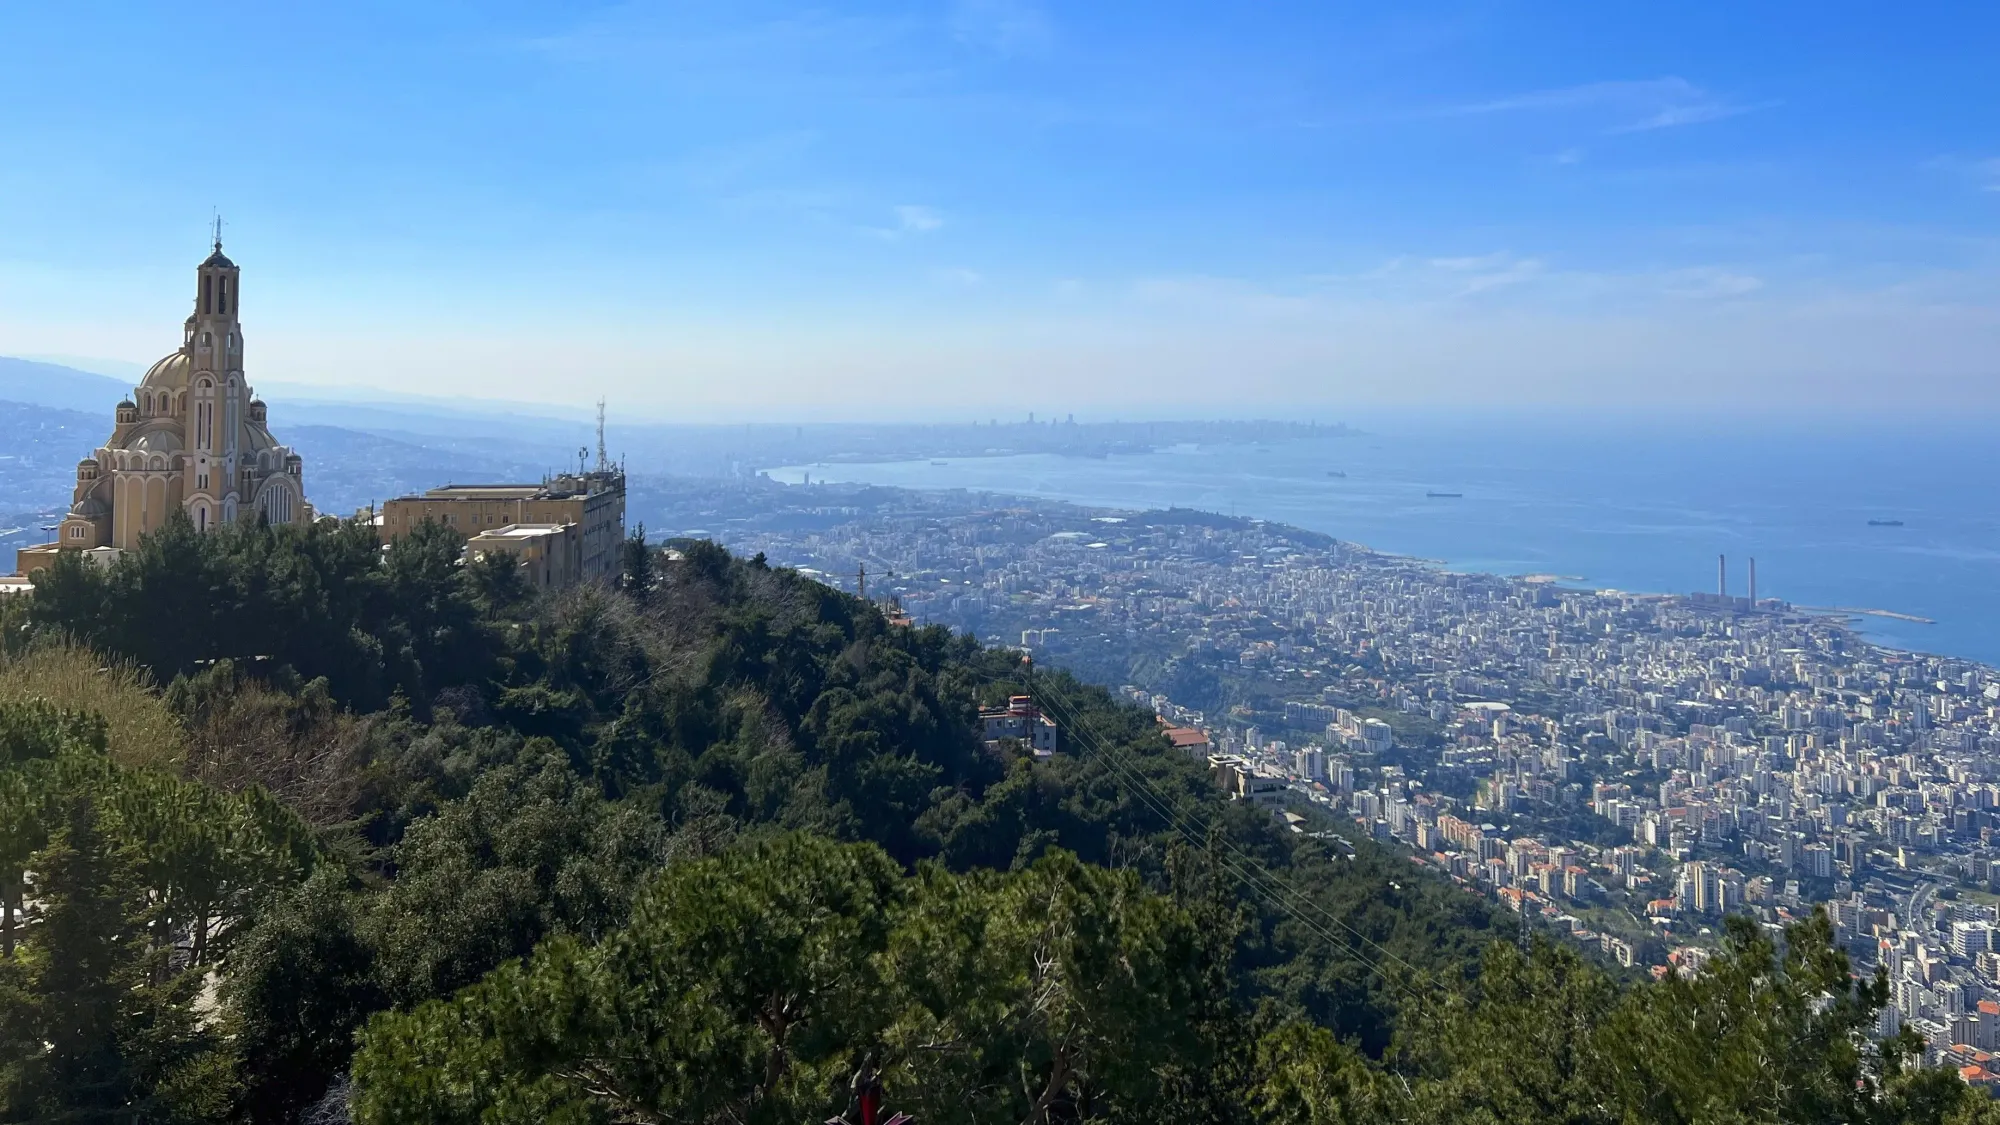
[(522, 531), (484, 492)]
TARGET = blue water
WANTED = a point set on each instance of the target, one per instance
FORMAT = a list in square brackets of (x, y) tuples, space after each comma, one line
[(1628, 503)]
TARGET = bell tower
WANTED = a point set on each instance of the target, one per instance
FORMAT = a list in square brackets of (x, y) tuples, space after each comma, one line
[(216, 305), (218, 397)]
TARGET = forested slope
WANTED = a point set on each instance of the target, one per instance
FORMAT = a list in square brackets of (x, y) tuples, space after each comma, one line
[(293, 830)]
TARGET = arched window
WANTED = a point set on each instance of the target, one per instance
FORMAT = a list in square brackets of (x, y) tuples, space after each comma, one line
[(207, 340), (222, 295), (207, 295)]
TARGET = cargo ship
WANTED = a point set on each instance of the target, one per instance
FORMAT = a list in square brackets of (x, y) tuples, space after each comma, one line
[(1885, 523), (1444, 495)]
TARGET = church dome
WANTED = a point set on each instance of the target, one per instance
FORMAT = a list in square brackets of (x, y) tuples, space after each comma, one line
[(171, 372), (157, 441), (90, 508)]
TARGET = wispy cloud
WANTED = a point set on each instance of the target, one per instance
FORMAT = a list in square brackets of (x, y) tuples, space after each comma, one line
[(1006, 27), (958, 277), (1708, 281), (1470, 275), (913, 219), (1982, 173), (910, 220), (1695, 114), (1640, 105), (1467, 282)]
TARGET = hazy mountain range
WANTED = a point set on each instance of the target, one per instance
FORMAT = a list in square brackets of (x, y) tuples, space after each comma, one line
[(359, 451)]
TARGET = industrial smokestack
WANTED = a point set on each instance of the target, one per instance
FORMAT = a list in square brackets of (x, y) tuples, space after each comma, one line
[(1753, 582), (1722, 576)]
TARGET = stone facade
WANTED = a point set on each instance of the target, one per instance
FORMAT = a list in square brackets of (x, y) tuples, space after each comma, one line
[(192, 436), (588, 508)]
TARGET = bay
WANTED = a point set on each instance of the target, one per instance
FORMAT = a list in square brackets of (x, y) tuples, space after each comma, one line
[(1633, 503)]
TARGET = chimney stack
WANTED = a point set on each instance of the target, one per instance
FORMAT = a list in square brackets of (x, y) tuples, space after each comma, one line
[(1753, 582), (1722, 576)]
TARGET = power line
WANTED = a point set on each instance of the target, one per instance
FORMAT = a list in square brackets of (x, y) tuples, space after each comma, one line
[(1245, 866)]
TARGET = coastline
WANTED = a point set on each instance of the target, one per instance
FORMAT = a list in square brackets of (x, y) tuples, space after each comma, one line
[(1843, 616), (1584, 509)]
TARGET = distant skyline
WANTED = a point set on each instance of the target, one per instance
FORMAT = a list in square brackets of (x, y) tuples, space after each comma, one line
[(750, 210)]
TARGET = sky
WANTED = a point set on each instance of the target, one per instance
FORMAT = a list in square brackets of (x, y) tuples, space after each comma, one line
[(749, 210)]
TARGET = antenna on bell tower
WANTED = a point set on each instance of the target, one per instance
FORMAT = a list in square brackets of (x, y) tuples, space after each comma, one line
[(218, 230), (603, 462)]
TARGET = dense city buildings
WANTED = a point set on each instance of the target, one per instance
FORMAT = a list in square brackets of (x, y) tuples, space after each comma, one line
[(1627, 768)]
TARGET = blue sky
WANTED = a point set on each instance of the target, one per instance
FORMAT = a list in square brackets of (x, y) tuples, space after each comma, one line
[(749, 209)]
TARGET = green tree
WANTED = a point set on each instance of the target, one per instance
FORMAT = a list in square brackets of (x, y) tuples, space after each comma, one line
[(96, 1033), (532, 850), (636, 571), (732, 995), (300, 983), (1521, 1044), (1307, 1077), (1057, 993)]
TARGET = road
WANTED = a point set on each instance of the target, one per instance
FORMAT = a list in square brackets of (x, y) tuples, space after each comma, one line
[(1918, 904)]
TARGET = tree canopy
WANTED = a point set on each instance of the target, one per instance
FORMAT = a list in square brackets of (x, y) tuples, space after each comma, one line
[(716, 843)]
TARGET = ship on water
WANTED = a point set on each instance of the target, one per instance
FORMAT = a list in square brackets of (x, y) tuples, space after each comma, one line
[(1885, 523), (1336, 474), (1444, 495)]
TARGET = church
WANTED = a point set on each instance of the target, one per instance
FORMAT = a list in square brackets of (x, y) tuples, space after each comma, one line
[(192, 436)]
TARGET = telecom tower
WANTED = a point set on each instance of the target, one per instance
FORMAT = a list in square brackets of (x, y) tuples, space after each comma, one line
[(603, 462)]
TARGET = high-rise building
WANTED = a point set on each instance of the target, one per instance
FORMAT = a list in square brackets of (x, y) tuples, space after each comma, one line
[(1310, 763), (193, 437), (1968, 939), (1699, 889)]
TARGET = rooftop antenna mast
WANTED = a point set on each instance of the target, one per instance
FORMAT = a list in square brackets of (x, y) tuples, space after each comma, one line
[(603, 462), (218, 229)]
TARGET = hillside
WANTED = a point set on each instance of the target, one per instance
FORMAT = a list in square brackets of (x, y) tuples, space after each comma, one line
[(57, 387), (400, 841)]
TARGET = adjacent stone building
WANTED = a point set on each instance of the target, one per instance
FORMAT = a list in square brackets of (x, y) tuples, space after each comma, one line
[(564, 530)]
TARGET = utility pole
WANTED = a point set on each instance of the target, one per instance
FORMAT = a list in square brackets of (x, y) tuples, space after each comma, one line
[(861, 579)]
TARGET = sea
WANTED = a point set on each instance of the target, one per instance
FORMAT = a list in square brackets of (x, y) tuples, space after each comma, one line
[(1628, 502)]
